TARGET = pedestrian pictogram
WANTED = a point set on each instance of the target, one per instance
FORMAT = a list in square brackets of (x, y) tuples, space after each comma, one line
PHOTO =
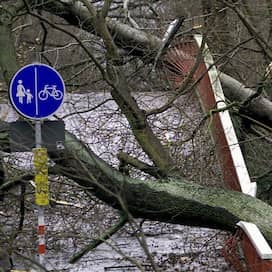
[(37, 91), (21, 92)]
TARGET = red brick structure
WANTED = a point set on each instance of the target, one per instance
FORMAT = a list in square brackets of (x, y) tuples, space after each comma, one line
[(180, 60)]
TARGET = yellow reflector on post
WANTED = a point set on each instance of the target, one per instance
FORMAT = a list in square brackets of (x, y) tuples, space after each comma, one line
[(41, 176)]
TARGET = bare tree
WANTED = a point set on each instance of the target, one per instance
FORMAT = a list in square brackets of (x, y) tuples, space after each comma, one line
[(110, 46)]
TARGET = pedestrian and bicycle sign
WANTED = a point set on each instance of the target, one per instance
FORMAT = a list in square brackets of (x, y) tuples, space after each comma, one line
[(36, 91)]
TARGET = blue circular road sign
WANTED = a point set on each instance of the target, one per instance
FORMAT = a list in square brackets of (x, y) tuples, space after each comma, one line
[(36, 91)]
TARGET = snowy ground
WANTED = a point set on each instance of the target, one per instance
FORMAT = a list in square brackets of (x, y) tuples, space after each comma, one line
[(70, 228)]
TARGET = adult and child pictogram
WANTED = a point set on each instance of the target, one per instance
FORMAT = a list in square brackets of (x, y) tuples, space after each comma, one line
[(22, 93)]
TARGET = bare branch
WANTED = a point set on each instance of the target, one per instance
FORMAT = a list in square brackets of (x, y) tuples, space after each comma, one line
[(142, 166), (128, 16), (98, 241), (266, 48)]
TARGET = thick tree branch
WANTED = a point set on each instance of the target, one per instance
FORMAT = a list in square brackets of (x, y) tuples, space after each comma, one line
[(173, 200), (125, 159), (259, 108), (128, 105), (74, 12)]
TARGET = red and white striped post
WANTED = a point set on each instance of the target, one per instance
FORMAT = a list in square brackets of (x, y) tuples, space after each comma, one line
[(41, 235)]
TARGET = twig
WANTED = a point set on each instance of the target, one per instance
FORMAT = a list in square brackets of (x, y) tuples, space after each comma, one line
[(261, 135), (96, 242), (127, 14), (265, 47), (184, 88), (142, 166), (16, 252), (209, 114)]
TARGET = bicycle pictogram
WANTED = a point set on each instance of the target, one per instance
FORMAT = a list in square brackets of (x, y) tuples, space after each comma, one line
[(50, 91)]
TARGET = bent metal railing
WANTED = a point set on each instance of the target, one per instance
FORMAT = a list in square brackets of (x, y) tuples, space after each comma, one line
[(179, 61)]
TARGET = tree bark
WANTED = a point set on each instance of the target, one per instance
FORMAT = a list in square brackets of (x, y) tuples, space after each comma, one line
[(135, 41), (7, 56), (171, 200), (259, 108)]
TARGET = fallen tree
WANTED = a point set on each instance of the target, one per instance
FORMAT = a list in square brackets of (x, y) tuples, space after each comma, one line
[(171, 199)]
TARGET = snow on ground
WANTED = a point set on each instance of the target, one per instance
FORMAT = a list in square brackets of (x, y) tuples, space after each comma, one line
[(96, 120)]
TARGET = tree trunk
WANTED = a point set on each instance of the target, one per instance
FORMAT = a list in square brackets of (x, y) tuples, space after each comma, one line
[(172, 200), (259, 108), (8, 62)]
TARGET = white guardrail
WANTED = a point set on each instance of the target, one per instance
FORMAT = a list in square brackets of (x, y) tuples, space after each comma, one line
[(247, 187)]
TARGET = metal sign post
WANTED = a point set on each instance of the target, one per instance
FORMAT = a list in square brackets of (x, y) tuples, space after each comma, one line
[(37, 91), (41, 189)]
